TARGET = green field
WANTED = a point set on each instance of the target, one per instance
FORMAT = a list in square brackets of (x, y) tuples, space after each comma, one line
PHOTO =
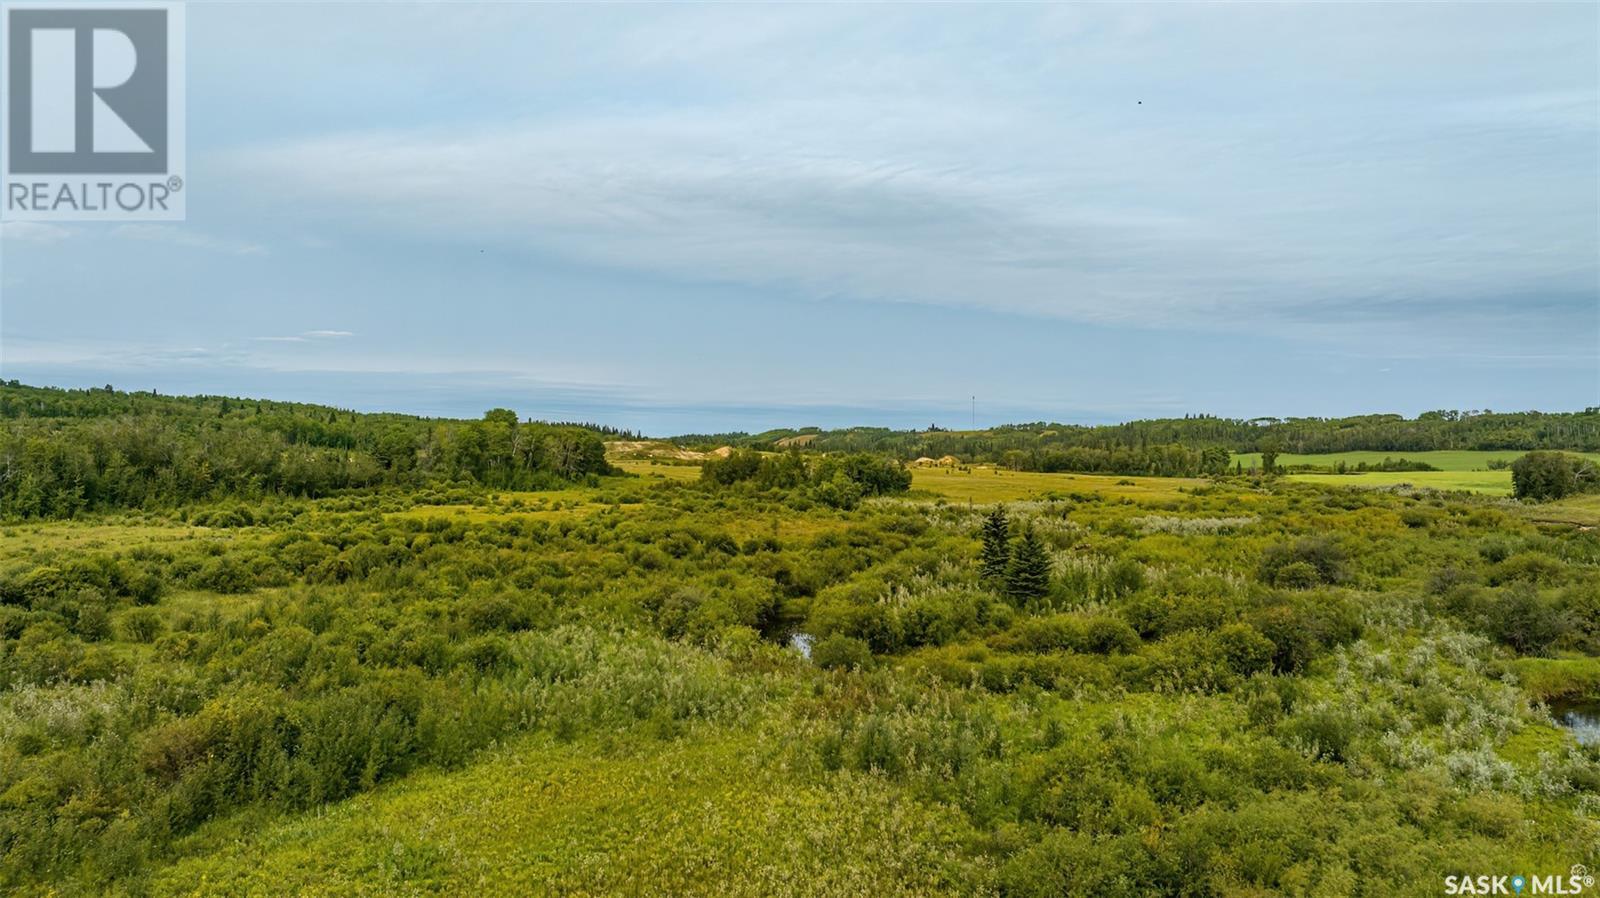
[(1494, 483), (1458, 469), (1444, 460)]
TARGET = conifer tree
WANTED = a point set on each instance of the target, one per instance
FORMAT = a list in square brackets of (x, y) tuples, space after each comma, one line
[(996, 545), (1028, 573)]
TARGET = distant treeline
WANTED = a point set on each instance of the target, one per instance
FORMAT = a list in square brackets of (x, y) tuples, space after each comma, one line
[(1149, 461), (67, 451), (1177, 445), (1388, 464)]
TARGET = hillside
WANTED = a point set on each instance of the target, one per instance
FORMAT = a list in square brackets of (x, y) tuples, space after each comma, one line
[(64, 452)]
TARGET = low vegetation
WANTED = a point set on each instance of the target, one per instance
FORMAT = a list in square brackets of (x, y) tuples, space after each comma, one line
[(1013, 684)]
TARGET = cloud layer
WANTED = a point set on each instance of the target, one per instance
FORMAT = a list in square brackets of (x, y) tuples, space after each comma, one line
[(1025, 178), (1074, 206)]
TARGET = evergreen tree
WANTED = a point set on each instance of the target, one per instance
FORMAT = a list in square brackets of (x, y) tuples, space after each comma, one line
[(996, 544), (1028, 573)]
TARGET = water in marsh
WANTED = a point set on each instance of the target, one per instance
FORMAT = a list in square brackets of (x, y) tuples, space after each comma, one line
[(801, 642), (1581, 718)]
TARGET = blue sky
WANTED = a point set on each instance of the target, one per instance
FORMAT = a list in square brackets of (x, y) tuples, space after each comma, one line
[(705, 217)]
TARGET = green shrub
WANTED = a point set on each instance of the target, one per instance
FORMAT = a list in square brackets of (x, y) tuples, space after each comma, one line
[(1295, 575), (1543, 476), (141, 625), (225, 574), (1323, 732), (1245, 650), (838, 652), (1519, 617), (1308, 561)]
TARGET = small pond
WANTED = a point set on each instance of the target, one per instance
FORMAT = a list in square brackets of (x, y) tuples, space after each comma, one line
[(1581, 718)]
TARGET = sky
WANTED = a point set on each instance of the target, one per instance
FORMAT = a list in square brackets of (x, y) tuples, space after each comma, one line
[(696, 218)]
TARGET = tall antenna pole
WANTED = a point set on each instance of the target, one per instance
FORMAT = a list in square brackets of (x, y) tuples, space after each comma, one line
[(974, 413)]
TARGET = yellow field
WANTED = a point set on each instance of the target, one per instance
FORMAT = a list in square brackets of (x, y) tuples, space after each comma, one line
[(988, 484), (647, 468), (983, 483)]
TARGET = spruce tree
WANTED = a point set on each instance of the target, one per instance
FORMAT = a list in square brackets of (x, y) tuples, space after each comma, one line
[(1028, 573), (996, 544)]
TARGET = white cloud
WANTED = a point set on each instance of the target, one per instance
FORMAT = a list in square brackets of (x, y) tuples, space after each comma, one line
[(1195, 166), (33, 232), (306, 336), (188, 237), (1163, 221), (1189, 165), (26, 351), (1383, 177)]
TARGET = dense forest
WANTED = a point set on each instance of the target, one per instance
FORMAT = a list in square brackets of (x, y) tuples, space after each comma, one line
[(67, 451), (1176, 446)]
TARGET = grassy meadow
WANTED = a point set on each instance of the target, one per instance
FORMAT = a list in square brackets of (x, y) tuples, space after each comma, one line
[(1492, 483), (708, 812), (262, 649), (987, 484), (652, 469), (1224, 688), (1583, 510)]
